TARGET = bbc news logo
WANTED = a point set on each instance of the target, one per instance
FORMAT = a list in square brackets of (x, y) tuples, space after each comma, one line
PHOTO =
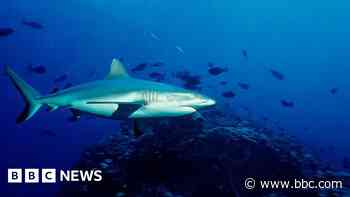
[(34, 175)]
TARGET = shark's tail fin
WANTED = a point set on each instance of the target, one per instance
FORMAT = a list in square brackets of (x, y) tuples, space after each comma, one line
[(28, 93)]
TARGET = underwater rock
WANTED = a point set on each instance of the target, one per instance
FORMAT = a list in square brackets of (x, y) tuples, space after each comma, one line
[(182, 157)]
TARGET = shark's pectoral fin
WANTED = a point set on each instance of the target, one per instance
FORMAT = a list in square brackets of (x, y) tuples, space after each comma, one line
[(105, 109), (52, 108), (161, 110)]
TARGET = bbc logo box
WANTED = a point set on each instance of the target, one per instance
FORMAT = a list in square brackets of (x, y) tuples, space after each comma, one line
[(14, 175), (31, 175)]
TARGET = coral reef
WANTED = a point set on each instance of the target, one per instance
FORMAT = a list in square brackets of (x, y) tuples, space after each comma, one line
[(186, 157)]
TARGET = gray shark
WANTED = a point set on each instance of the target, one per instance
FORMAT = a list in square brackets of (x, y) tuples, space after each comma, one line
[(117, 96)]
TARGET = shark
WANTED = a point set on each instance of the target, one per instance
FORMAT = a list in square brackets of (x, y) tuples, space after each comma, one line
[(117, 96)]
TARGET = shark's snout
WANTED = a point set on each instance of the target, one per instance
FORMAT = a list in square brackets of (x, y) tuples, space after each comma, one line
[(211, 102), (207, 102)]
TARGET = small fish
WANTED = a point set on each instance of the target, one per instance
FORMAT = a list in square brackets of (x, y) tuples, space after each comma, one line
[(6, 32), (334, 91), (158, 64), (33, 24), (228, 94), (180, 49), (243, 86), (244, 53), (139, 67), (191, 81), (223, 83), (157, 76), (40, 69), (286, 103), (154, 36), (277, 74), (54, 90), (61, 78), (215, 70)]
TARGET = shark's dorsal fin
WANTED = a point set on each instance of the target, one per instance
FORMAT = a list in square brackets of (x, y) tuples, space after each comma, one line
[(117, 70)]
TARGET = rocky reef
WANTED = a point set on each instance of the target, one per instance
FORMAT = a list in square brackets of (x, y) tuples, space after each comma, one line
[(187, 157)]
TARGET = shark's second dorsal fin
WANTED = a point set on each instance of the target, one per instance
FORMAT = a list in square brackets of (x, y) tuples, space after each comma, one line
[(117, 70)]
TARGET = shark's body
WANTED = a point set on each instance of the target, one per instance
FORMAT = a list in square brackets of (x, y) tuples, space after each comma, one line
[(118, 96)]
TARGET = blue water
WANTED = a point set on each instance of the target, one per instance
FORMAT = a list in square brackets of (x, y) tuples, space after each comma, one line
[(308, 41)]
